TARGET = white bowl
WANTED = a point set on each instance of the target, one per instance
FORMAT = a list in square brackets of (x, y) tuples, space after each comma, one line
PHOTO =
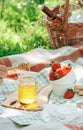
[(60, 86), (67, 79), (59, 90)]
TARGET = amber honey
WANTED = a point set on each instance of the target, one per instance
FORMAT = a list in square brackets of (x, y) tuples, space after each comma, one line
[(27, 91)]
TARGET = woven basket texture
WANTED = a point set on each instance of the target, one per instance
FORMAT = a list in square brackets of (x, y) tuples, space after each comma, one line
[(64, 32)]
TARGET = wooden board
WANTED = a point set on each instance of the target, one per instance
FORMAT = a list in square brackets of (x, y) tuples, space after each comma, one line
[(42, 98), (12, 102)]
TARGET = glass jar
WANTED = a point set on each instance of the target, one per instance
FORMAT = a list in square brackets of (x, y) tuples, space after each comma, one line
[(27, 89)]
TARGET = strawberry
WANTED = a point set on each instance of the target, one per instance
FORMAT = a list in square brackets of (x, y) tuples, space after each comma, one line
[(69, 94), (55, 66), (67, 68), (12, 75), (61, 72), (51, 75)]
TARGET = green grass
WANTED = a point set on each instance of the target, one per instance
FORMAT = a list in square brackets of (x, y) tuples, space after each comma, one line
[(22, 27)]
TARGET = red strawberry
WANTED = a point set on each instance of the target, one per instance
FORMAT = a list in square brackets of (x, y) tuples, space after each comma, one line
[(52, 76), (67, 68), (61, 72), (12, 75), (69, 94), (55, 66)]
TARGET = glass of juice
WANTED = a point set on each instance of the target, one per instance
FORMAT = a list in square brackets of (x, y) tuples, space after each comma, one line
[(27, 90)]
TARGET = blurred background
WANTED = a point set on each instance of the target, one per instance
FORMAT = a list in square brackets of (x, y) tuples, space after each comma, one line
[(22, 27)]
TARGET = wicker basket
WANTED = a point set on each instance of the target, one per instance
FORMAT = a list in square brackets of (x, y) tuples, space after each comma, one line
[(64, 33)]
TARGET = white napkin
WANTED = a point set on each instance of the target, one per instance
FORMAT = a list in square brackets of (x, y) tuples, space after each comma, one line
[(48, 126), (66, 113)]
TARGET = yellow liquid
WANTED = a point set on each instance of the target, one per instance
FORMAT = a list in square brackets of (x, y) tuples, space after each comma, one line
[(27, 94)]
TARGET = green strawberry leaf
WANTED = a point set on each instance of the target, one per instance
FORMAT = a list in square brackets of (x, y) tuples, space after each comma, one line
[(52, 62), (57, 76), (69, 64)]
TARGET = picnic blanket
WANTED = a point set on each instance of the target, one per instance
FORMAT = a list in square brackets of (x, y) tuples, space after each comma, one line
[(40, 59)]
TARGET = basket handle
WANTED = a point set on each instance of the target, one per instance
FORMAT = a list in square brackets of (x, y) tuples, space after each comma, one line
[(65, 15), (80, 2)]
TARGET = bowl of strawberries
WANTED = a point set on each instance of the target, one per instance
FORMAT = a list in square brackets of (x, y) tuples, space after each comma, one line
[(62, 78)]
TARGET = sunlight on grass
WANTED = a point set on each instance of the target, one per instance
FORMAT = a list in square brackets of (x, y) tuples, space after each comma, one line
[(22, 25)]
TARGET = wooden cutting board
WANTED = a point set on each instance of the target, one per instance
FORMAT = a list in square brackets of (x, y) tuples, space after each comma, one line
[(12, 100)]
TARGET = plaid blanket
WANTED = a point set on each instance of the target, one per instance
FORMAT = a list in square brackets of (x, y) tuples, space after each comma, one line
[(39, 59)]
